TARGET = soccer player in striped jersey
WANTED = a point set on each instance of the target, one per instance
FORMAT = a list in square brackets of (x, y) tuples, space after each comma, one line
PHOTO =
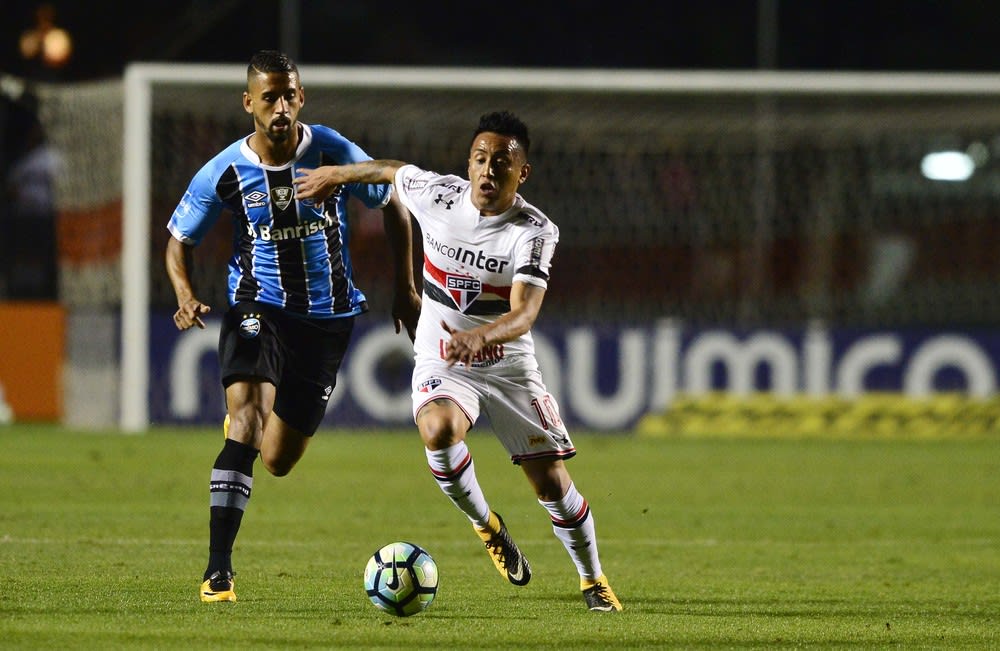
[(487, 254), (292, 298)]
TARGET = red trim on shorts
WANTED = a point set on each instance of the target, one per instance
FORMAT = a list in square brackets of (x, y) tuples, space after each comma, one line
[(548, 454)]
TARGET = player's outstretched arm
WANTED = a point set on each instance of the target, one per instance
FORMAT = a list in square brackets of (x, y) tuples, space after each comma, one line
[(319, 183), (189, 309)]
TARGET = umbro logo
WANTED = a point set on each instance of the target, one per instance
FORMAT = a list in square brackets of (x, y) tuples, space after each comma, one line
[(255, 199)]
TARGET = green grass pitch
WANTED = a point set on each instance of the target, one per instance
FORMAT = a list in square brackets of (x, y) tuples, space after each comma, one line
[(762, 543)]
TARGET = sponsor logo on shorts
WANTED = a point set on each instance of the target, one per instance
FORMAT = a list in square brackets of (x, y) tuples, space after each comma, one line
[(250, 326), (429, 385), (326, 394)]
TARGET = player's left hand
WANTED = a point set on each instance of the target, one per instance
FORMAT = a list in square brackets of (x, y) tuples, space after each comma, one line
[(316, 184)]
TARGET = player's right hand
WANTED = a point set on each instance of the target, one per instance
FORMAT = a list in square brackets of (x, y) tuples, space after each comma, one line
[(189, 314)]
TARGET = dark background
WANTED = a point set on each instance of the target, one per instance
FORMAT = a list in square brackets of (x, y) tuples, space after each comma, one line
[(719, 34)]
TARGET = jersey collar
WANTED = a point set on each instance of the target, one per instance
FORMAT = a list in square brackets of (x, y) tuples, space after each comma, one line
[(305, 139)]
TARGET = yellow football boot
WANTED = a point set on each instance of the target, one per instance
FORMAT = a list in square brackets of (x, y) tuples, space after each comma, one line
[(599, 595), (218, 587), (507, 558)]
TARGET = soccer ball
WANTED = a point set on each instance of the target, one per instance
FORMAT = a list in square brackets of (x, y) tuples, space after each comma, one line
[(401, 579)]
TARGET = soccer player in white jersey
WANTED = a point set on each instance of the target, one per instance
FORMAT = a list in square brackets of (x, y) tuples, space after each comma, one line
[(487, 254)]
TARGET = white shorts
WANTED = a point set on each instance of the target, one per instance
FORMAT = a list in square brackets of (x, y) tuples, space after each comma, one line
[(524, 416)]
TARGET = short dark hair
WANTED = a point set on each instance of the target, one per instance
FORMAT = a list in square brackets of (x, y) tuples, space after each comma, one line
[(266, 61), (506, 124)]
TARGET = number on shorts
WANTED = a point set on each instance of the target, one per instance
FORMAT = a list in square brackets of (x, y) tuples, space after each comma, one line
[(548, 414)]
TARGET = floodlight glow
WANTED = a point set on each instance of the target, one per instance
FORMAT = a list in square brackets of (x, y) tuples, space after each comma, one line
[(947, 166)]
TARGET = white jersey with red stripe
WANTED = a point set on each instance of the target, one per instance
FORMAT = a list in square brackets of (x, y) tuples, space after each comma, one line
[(471, 262)]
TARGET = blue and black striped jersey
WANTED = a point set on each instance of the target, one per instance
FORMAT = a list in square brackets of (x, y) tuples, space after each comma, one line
[(287, 253)]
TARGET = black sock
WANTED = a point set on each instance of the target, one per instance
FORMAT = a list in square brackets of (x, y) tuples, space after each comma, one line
[(229, 489)]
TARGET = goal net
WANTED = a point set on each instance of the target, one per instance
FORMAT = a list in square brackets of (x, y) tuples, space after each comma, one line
[(745, 199)]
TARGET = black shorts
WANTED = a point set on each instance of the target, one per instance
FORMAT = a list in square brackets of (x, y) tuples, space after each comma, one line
[(299, 356)]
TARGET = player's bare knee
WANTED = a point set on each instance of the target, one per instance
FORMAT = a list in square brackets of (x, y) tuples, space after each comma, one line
[(438, 433), (435, 436), (246, 422), (280, 471), (441, 425), (434, 430), (275, 465)]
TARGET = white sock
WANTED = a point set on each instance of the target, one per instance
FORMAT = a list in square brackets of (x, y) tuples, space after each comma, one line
[(573, 524), (455, 473)]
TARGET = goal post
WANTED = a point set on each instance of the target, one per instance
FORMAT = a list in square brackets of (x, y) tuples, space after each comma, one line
[(653, 176), (136, 174)]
